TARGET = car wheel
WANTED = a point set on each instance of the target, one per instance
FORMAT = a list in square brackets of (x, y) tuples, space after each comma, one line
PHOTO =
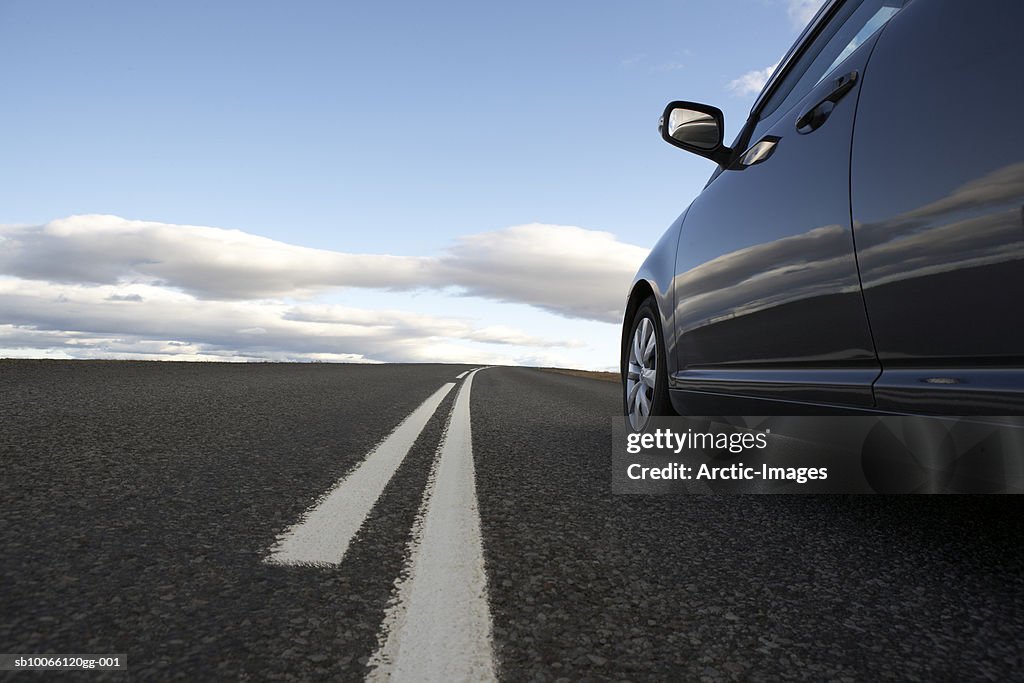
[(645, 379)]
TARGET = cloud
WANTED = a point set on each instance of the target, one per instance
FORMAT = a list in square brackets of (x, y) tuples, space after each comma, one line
[(107, 287), (403, 324), (752, 82), (802, 11), (566, 270), (207, 262), (84, 321)]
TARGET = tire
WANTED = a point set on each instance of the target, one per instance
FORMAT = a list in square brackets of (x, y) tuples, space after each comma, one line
[(644, 373)]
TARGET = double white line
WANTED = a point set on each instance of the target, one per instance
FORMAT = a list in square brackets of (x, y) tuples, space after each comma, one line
[(438, 625)]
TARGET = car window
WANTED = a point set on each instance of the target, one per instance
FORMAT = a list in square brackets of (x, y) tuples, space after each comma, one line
[(877, 20), (854, 23)]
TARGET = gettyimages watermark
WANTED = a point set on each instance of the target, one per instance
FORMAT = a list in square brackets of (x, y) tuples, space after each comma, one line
[(819, 454)]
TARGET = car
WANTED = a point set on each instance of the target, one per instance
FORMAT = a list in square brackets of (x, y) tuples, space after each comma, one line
[(859, 246)]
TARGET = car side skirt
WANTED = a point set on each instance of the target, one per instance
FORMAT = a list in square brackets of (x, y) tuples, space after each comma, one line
[(827, 386), (918, 391)]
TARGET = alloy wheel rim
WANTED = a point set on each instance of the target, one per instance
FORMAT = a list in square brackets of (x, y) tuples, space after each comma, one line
[(641, 374)]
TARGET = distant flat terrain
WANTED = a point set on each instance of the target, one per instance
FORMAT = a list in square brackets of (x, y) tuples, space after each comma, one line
[(193, 516)]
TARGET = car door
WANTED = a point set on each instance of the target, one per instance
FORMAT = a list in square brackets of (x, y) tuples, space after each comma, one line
[(768, 300), (938, 190)]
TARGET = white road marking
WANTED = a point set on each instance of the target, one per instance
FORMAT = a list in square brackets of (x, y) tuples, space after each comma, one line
[(324, 533), (461, 374), (438, 625)]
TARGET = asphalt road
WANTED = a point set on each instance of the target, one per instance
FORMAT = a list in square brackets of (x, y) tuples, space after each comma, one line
[(141, 502)]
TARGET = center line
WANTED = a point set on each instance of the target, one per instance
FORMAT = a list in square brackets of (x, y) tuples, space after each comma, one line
[(323, 535), (438, 626)]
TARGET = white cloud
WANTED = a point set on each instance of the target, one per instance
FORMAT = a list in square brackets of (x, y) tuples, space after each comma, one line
[(562, 269), (208, 262), (399, 324), (751, 82), (105, 287), (83, 321), (802, 11)]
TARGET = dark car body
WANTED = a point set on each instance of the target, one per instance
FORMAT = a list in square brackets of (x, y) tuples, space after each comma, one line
[(872, 258)]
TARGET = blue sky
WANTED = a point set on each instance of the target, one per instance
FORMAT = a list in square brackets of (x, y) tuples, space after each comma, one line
[(367, 129)]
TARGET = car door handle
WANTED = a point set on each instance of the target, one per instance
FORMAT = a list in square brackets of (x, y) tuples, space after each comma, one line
[(813, 118)]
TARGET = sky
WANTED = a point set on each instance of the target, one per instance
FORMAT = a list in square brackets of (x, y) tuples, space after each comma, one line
[(339, 181)]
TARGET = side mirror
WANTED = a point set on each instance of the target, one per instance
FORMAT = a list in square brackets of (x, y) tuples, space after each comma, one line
[(697, 128)]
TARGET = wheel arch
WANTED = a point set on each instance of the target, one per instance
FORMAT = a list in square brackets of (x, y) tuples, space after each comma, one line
[(654, 279), (640, 292)]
